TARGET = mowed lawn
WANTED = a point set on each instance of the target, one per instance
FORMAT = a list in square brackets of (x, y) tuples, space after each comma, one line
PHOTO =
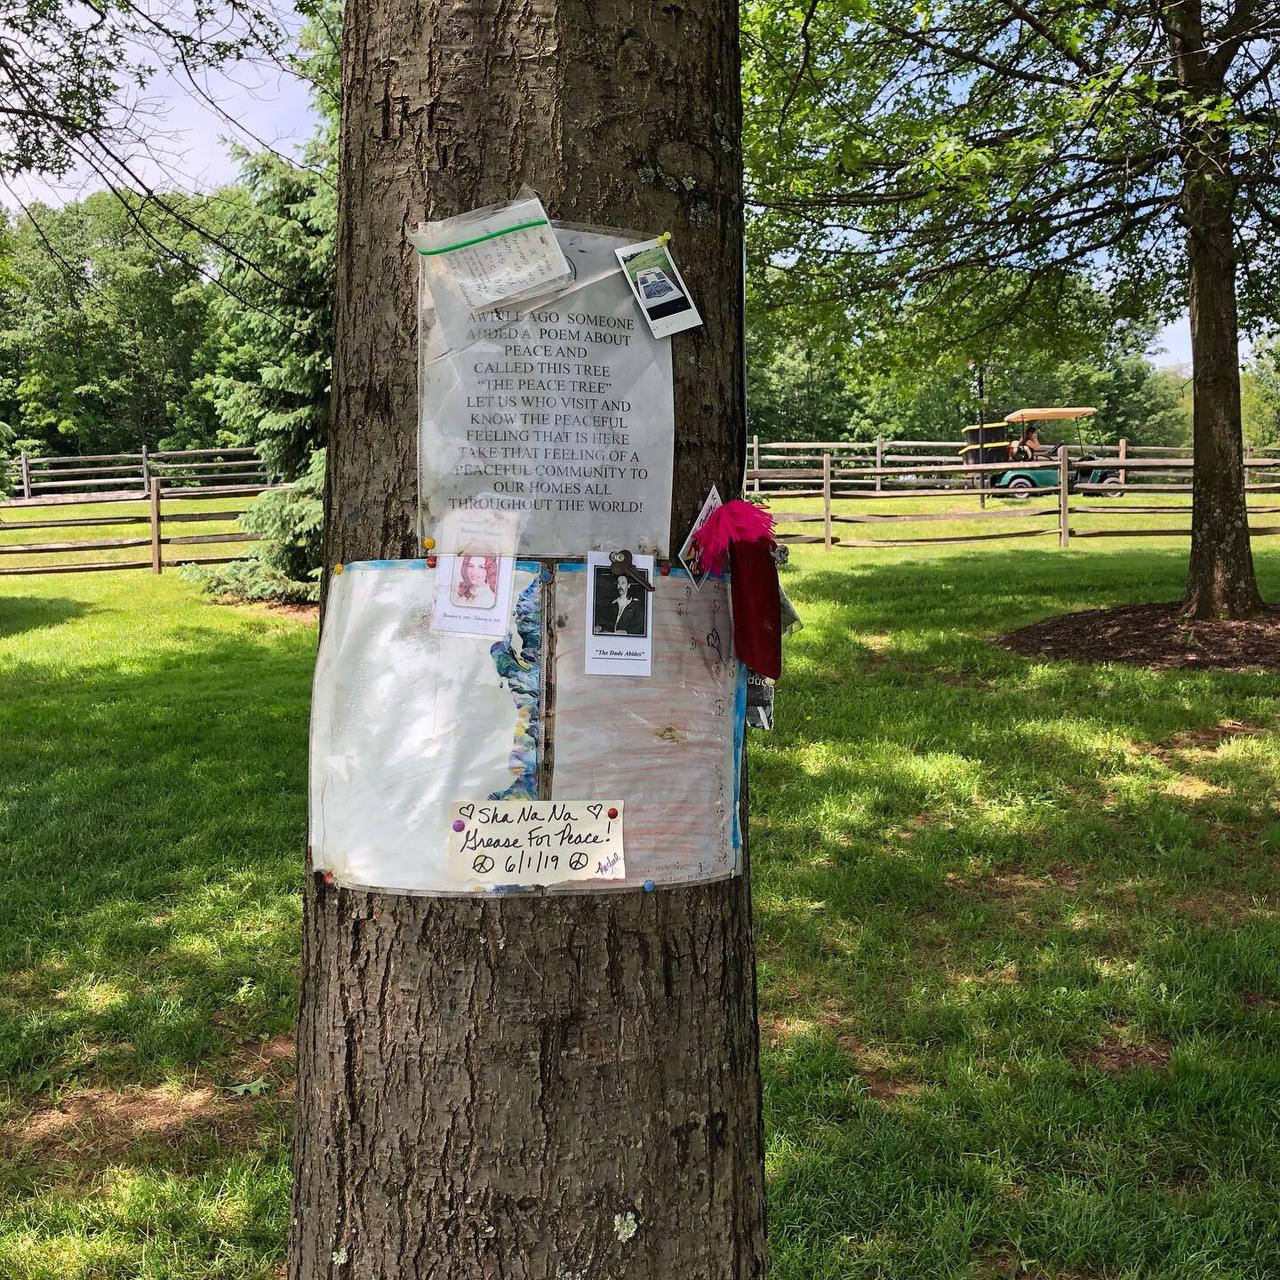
[(1017, 923)]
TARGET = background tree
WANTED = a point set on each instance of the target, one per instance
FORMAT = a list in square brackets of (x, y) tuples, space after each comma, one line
[(924, 150), (271, 387), (528, 1086), (72, 76), (915, 378), (107, 328), (1260, 388)]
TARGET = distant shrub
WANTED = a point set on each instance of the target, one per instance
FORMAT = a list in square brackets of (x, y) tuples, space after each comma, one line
[(285, 566)]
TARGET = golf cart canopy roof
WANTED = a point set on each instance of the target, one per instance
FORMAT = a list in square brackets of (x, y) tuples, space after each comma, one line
[(1048, 415)]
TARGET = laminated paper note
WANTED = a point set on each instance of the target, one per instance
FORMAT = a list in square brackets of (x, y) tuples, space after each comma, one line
[(619, 618), (519, 843), (473, 595), (559, 421)]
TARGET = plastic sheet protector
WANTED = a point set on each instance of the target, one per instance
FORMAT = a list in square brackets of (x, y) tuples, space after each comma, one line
[(406, 721), (557, 423), (664, 743), (408, 724)]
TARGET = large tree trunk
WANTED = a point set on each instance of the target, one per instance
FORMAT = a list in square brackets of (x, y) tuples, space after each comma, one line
[(560, 1088), (1220, 581)]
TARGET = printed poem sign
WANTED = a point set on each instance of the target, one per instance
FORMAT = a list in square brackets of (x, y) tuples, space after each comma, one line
[(499, 843), (559, 421)]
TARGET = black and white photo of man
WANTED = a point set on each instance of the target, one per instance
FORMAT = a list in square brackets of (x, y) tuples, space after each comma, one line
[(621, 606)]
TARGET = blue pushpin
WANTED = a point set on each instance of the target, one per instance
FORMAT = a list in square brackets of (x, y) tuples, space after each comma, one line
[(648, 886)]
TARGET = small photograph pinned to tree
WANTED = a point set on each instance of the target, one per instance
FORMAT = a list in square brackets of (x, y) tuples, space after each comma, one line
[(473, 594), (658, 288), (475, 582), (621, 607)]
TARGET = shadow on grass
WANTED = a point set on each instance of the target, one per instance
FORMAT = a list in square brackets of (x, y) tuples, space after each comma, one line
[(1019, 928), (153, 823), (29, 613)]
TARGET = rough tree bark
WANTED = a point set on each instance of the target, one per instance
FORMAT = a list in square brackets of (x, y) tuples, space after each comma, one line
[(530, 1089), (1220, 582)]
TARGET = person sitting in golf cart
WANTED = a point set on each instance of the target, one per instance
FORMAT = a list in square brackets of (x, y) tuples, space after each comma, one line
[(1029, 448)]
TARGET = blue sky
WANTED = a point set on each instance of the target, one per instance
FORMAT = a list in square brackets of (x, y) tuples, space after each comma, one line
[(188, 138)]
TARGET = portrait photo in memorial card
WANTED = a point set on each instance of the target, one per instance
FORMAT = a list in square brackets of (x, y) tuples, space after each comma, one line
[(619, 630)]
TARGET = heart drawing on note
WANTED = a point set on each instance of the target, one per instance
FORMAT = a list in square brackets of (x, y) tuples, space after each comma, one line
[(466, 810), (595, 810)]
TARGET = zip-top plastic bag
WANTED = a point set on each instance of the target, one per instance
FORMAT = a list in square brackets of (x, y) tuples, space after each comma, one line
[(498, 256)]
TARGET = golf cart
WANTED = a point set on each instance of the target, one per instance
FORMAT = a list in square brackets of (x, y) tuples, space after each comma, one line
[(1040, 470)]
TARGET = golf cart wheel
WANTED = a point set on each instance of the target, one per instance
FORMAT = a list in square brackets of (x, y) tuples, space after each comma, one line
[(1020, 484), (1111, 482)]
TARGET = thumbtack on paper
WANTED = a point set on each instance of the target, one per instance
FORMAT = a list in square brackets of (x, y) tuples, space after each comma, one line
[(328, 877), (337, 568), (428, 544), (664, 238), (648, 886), (613, 813), (459, 825), (431, 562)]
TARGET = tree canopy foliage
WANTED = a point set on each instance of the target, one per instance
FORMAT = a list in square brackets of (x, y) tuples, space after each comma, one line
[(271, 387), (73, 75), (106, 332), (971, 154)]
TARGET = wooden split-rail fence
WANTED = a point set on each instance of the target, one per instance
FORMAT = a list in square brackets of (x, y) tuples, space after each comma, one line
[(31, 477), (157, 547), (857, 484)]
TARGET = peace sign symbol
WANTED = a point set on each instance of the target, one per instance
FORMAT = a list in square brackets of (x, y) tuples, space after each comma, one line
[(483, 864)]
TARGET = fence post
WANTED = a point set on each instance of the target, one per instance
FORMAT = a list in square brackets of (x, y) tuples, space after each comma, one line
[(879, 462), (156, 565), (26, 475), (1124, 453), (826, 499), (146, 472), (1064, 508), (755, 462)]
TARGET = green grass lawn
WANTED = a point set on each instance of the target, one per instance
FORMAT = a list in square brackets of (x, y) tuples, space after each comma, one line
[(1018, 931)]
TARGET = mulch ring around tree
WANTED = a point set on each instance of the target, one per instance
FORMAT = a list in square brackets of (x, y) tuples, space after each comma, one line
[(1153, 635)]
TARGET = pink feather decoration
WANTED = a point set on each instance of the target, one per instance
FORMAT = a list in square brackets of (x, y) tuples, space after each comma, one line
[(735, 521)]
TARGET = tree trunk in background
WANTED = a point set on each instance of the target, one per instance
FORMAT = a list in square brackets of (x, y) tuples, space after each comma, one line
[(561, 1088), (1220, 581)]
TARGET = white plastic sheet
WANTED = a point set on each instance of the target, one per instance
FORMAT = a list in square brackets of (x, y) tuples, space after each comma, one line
[(406, 720)]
